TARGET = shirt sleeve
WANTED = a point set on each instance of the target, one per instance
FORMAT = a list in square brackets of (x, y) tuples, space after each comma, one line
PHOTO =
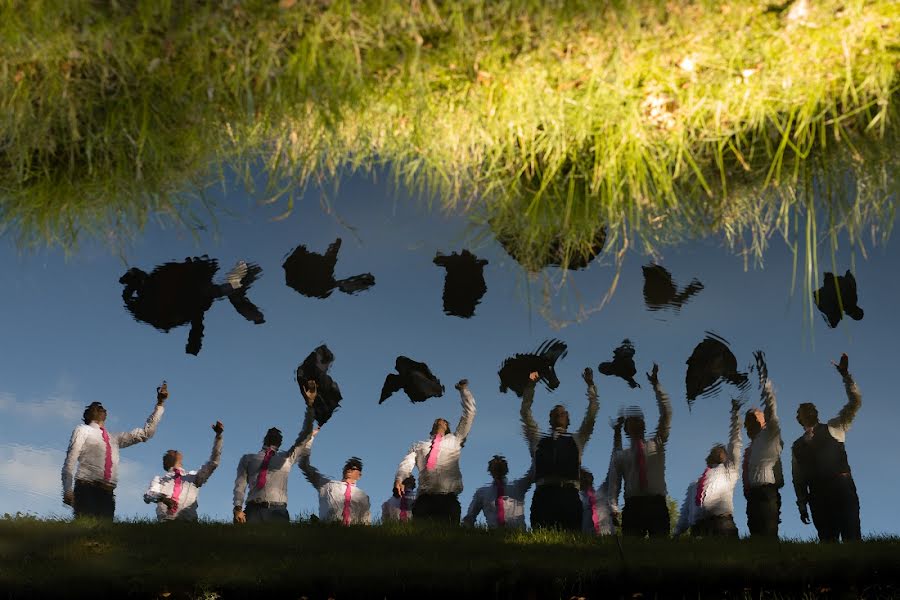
[(614, 479), (406, 466), (76, 443), (367, 513), (734, 440), (529, 425), (204, 473), (240, 482), (304, 438), (474, 509), (798, 475), (312, 474), (468, 414), (665, 414), (770, 409), (848, 412), (154, 492), (141, 434), (584, 432)]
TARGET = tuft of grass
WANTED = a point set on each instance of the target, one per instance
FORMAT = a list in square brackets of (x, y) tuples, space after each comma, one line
[(548, 121)]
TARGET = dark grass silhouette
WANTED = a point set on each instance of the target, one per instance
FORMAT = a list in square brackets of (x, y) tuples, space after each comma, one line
[(180, 293), (464, 284), (622, 364), (414, 378), (554, 254), (514, 371), (837, 297), (312, 274), (711, 364), (661, 293), (315, 367)]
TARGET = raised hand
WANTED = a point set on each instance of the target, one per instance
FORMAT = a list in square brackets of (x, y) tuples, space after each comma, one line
[(218, 428), (588, 376), (534, 376), (399, 487), (310, 390), (162, 392), (653, 375), (843, 366), (462, 383)]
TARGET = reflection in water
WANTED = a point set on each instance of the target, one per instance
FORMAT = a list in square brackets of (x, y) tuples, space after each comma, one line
[(515, 370), (660, 291), (328, 395), (529, 245), (414, 378), (838, 293), (622, 364), (312, 274), (178, 293), (711, 363), (464, 283)]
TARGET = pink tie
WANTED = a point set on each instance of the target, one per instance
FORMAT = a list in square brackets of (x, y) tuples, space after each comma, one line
[(642, 464), (435, 451), (404, 507), (347, 504), (595, 518), (698, 500), (176, 492), (501, 510), (107, 464), (746, 470), (263, 469)]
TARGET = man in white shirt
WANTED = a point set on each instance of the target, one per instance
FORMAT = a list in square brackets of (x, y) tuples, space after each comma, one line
[(595, 517), (340, 500), (821, 471), (557, 459), (398, 508), (266, 472), (502, 502), (91, 469), (175, 493), (708, 508), (761, 469), (437, 459), (643, 469)]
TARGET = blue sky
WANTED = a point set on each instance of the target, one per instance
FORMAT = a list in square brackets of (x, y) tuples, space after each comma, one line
[(69, 341)]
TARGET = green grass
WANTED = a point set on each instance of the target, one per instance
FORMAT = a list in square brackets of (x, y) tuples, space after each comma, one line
[(38, 557), (662, 121)]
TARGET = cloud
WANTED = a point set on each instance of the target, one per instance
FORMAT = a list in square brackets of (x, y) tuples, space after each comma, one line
[(54, 407), (30, 482)]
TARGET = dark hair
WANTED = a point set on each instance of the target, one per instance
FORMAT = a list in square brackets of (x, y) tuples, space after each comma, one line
[(169, 459), (500, 460), (714, 451), (273, 437), (586, 477), (434, 426), (354, 462), (810, 408), (92, 412)]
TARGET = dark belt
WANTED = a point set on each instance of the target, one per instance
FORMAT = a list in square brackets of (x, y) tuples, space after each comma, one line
[(554, 482), (260, 504), (101, 485)]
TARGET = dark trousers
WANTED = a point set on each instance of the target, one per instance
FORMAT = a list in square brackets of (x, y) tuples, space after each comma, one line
[(718, 526), (556, 506), (256, 513), (835, 509), (763, 510), (94, 500), (438, 508), (646, 515)]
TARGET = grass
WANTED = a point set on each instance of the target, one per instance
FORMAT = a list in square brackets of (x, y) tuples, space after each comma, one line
[(546, 121), (317, 560)]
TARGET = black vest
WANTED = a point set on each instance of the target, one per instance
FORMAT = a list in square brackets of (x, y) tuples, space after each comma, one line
[(557, 458), (823, 457)]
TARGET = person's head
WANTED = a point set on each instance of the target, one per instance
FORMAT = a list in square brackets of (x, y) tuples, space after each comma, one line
[(587, 479), (634, 423), (754, 421), (440, 426), (409, 484), (352, 469), (94, 412), (497, 467), (717, 456), (273, 438), (559, 417), (172, 458), (807, 415)]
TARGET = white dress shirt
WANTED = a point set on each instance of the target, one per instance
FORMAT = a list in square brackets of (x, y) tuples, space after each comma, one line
[(333, 493), (164, 486), (275, 489), (624, 462), (604, 516), (485, 500), (390, 509), (446, 477), (763, 455), (87, 450), (717, 497)]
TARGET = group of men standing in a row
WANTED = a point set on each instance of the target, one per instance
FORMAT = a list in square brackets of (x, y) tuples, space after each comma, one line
[(564, 497)]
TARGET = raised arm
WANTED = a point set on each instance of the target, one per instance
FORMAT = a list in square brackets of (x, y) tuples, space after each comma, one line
[(854, 399), (614, 480), (529, 425), (665, 406), (468, 410), (770, 409), (474, 509), (617, 433), (207, 469), (304, 438), (76, 442), (734, 436), (141, 434), (590, 416), (312, 474)]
